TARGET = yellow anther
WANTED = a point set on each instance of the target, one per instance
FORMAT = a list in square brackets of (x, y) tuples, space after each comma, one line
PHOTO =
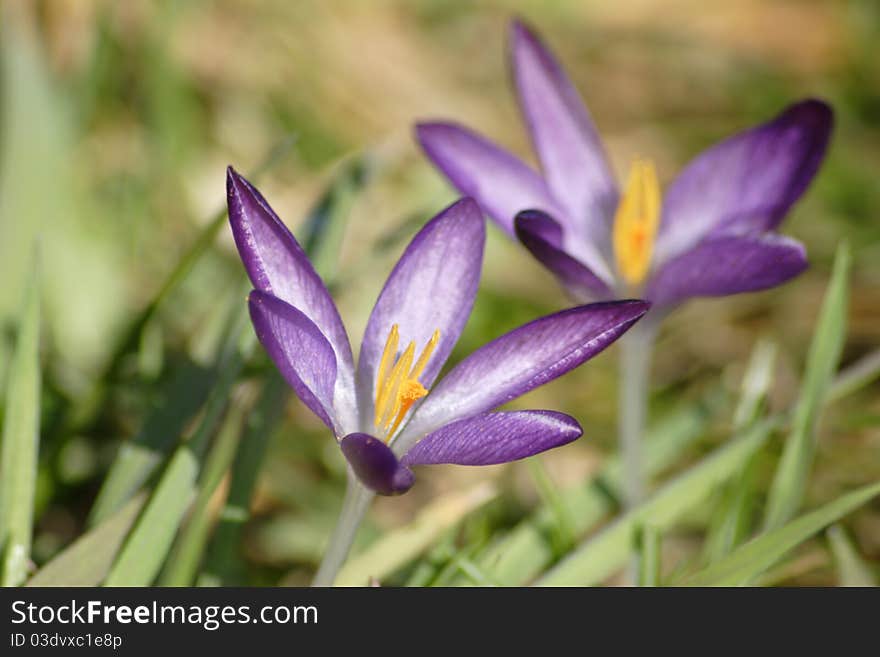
[(397, 386), (426, 355), (636, 222), (388, 355)]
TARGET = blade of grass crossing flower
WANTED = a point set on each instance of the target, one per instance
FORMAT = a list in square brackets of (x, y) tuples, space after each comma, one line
[(649, 544), (789, 483), (522, 554), (147, 546), (87, 561), (851, 568), (602, 555), (21, 439), (183, 561), (749, 561)]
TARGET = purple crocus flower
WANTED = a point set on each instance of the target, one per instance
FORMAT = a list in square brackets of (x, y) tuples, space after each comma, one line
[(380, 412), (712, 234)]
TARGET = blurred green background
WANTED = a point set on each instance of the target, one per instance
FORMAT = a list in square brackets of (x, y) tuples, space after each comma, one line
[(117, 120)]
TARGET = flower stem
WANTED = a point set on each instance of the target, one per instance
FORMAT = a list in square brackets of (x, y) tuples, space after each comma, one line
[(635, 368), (354, 508)]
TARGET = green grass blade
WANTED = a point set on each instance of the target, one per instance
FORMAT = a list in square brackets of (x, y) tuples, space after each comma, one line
[(602, 555), (84, 414), (21, 439), (522, 554), (220, 562), (851, 568), (649, 555), (732, 520), (855, 377), (87, 561), (789, 483), (327, 222), (562, 529), (400, 546), (139, 458), (755, 384), (183, 561), (148, 544), (746, 563)]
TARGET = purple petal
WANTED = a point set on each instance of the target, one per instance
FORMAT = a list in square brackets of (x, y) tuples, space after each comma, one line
[(519, 361), (299, 350), (747, 183), (376, 465), (727, 265), (500, 182), (432, 287), (278, 266), (571, 153), (542, 236), (495, 438)]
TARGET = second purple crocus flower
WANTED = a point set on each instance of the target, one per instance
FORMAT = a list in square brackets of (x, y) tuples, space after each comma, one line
[(712, 235)]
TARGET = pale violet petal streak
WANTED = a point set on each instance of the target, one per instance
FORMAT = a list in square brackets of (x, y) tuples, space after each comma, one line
[(747, 183), (571, 153), (519, 361), (725, 265), (300, 352), (491, 438), (432, 287), (277, 265)]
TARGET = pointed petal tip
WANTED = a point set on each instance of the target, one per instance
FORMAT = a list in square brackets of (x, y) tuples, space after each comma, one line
[(375, 465), (814, 115), (234, 179), (467, 209), (430, 131), (820, 110), (531, 223), (520, 30)]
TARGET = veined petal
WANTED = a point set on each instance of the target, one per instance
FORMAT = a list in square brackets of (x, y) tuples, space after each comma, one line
[(499, 181), (572, 156), (492, 438), (432, 288), (747, 183), (542, 236), (300, 352), (519, 361), (277, 265), (376, 465), (727, 265)]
